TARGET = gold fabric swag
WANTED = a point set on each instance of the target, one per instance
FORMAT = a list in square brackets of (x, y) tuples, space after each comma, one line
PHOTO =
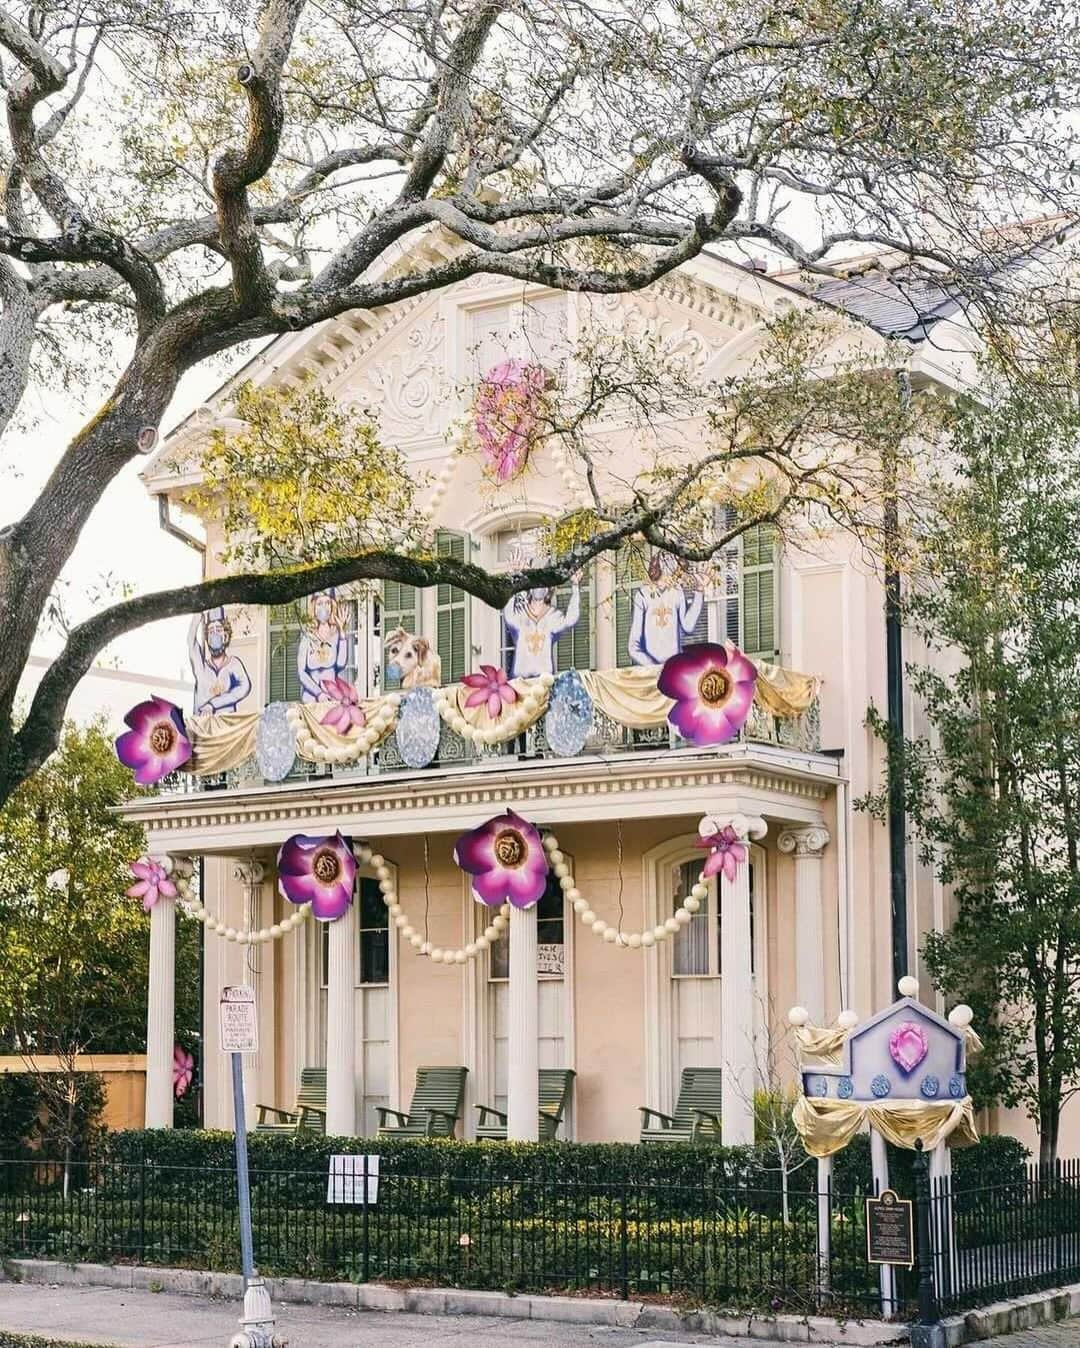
[(629, 697)]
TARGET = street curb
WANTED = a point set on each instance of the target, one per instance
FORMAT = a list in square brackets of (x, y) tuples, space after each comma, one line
[(457, 1301)]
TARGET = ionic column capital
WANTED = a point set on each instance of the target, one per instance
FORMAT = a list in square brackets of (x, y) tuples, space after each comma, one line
[(808, 840), (746, 827), (249, 872)]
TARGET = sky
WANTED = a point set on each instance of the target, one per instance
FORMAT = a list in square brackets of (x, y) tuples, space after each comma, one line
[(122, 540)]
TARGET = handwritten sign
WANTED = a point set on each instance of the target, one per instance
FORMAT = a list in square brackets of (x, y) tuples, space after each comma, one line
[(890, 1230), (550, 959), (346, 1180), (239, 1021)]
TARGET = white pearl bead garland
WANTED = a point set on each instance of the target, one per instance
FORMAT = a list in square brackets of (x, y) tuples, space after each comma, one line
[(401, 920), (512, 722), (442, 482), (370, 735), (636, 940), (181, 875)]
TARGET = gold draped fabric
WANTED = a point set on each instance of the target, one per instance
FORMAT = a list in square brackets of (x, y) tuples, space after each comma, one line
[(306, 717), (221, 740), (827, 1126), (479, 719), (628, 696), (820, 1047)]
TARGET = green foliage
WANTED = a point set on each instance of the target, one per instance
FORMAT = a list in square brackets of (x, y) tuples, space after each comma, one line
[(10, 1338), (994, 791), (74, 949)]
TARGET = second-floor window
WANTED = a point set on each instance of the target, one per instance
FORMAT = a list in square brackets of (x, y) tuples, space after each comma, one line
[(452, 612)]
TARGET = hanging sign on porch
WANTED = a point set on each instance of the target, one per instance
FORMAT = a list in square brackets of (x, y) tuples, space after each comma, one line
[(239, 1020), (890, 1230)]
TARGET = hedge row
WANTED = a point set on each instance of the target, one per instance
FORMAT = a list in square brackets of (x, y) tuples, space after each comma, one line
[(993, 1161)]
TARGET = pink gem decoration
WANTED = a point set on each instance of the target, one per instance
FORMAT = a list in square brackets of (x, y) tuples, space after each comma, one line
[(908, 1046), (508, 404)]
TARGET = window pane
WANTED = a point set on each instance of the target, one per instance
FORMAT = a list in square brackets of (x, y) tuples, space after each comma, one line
[(499, 957), (375, 956), (372, 909), (691, 945)]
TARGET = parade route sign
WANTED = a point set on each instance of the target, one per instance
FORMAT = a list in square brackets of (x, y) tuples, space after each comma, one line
[(239, 1020), (890, 1230)]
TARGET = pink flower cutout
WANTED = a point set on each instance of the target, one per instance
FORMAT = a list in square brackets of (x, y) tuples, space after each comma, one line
[(726, 853), (346, 710), (506, 412), (490, 687), (183, 1068), (153, 882)]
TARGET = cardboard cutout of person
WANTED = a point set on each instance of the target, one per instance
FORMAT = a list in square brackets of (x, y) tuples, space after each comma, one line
[(323, 649), (221, 680), (665, 611), (535, 624)]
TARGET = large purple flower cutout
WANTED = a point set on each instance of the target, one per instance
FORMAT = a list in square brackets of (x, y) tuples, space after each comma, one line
[(157, 742), (506, 859), (151, 882), (319, 871), (712, 688), (726, 853)]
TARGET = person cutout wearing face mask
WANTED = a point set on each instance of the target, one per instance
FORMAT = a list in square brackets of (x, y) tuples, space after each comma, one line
[(664, 612), (323, 650), (535, 625), (221, 679)]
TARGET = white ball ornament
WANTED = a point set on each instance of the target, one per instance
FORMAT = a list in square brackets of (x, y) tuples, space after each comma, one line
[(230, 933), (908, 986), (700, 891), (264, 934), (482, 943), (671, 925), (648, 939), (682, 917), (499, 922), (636, 940), (562, 870), (491, 934), (691, 904), (961, 1016), (556, 856), (436, 956), (407, 933), (460, 957), (377, 862), (275, 931), (798, 1015), (243, 938), (416, 940), (588, 917), (660, 931), (551, 843), (573, 894), (599, 926), (847, 1020), (426, 948), (470, 950), (401, 921), (610, 935), (580, 904)]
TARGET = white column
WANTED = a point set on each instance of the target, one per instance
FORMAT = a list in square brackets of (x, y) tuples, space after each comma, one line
[(523, 1080), (824, 1219), (161, 1015), (737, 1010), (807, 845), (341, 1026)]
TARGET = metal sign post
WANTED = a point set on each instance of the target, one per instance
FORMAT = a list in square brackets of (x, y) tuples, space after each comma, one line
[(240, 1035)]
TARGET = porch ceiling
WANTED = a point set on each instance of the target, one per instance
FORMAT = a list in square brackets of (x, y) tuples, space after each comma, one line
[(782, 784)]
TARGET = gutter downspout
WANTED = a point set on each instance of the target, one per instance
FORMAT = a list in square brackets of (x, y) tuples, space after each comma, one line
[(894, 679), (169, 526)]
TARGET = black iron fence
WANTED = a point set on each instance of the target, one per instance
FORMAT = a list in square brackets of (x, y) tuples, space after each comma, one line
[(723, 1242)]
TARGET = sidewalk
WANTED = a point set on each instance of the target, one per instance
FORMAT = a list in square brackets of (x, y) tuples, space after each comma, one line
[(129, 1319)]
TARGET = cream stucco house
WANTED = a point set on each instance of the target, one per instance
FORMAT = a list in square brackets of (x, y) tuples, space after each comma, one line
[(809, 919)]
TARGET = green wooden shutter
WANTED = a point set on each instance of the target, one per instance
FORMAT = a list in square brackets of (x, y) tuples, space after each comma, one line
[(400, 608), (629, 570), (760, 617), (452, 613), (574, 649), (283, 630)]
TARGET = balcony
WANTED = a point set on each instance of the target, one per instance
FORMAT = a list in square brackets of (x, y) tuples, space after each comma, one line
[(607, 741)]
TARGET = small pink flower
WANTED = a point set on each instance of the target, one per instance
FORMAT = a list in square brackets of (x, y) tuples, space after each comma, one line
[(153, 882), (183, 1068), (346, 710), (491, 688), (726, 853)]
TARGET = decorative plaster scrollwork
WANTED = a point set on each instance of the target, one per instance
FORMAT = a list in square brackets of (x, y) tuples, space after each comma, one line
[(405, 389), (810, 841)]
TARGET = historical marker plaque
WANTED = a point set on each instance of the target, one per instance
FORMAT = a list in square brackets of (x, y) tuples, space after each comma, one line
[(890, 1230)]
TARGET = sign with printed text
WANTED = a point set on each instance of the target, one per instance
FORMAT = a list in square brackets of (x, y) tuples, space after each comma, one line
[(890, 1230), (239, 1020), (550, 959), (346, 1183)]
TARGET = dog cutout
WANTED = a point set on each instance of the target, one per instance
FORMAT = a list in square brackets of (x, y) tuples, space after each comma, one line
[(413, 659)]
